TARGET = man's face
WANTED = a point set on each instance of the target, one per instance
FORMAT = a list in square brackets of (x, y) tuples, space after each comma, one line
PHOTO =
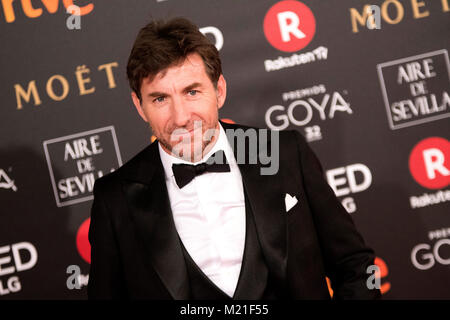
[(181, 105)]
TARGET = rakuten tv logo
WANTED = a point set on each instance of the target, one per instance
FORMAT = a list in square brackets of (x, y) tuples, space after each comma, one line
[(83, 245), (429, 163), (289, 26)]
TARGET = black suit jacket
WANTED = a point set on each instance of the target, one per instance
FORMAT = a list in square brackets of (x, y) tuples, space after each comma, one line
[(136, 252)]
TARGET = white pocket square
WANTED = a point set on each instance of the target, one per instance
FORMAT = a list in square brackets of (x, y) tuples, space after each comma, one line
[(290, 201)]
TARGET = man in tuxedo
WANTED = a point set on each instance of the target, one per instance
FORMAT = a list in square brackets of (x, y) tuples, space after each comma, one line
[(189, 218)]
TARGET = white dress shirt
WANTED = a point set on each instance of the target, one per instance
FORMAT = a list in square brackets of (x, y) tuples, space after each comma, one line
[(209, 215)]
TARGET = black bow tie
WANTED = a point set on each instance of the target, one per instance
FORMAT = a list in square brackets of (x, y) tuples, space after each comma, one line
[(184, 173)]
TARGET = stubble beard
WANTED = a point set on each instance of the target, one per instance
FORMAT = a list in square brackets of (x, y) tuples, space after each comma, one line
[(190, 148)]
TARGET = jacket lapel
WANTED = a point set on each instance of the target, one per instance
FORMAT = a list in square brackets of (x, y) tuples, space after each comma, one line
[(254, 272), (149, 205), (265, 195)]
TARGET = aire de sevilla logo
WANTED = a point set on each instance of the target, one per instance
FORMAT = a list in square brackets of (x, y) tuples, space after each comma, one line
[(429, 163), (289, 25)]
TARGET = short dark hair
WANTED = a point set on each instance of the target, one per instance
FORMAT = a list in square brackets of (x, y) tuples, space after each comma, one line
[(161, 44)]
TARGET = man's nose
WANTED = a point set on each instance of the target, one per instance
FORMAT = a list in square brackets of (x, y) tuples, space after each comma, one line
[(180, 113)]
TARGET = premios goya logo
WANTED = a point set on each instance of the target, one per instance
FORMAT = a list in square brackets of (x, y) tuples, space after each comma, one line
[(308, 108), (416, 89), (434, 252), (77, 160)]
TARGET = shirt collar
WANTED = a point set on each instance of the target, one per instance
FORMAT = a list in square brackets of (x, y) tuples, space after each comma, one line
[(221, 144)]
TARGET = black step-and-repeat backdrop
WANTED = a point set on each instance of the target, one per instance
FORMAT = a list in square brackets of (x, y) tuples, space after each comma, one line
[(366, 83)]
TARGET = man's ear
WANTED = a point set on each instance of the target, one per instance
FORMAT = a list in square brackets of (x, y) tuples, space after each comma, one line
[(221, 91), (137, 104)]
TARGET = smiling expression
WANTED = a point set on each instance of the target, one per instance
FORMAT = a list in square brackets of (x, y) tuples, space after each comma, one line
[(181, 105)]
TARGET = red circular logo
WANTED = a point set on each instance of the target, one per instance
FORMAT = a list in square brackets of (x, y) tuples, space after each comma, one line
[(289, 25), (429, 163), (83, 245)]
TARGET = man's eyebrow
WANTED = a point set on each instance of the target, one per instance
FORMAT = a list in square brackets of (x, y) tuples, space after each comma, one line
[(156, 94), (192, 86)]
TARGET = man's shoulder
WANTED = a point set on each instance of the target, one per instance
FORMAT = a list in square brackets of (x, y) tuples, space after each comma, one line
[(132, 168)]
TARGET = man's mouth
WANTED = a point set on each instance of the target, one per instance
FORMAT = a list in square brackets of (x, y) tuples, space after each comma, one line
[(180, 134)]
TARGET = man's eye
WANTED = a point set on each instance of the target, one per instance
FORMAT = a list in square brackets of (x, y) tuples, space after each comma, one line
[(159, 99), (192, 92)]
